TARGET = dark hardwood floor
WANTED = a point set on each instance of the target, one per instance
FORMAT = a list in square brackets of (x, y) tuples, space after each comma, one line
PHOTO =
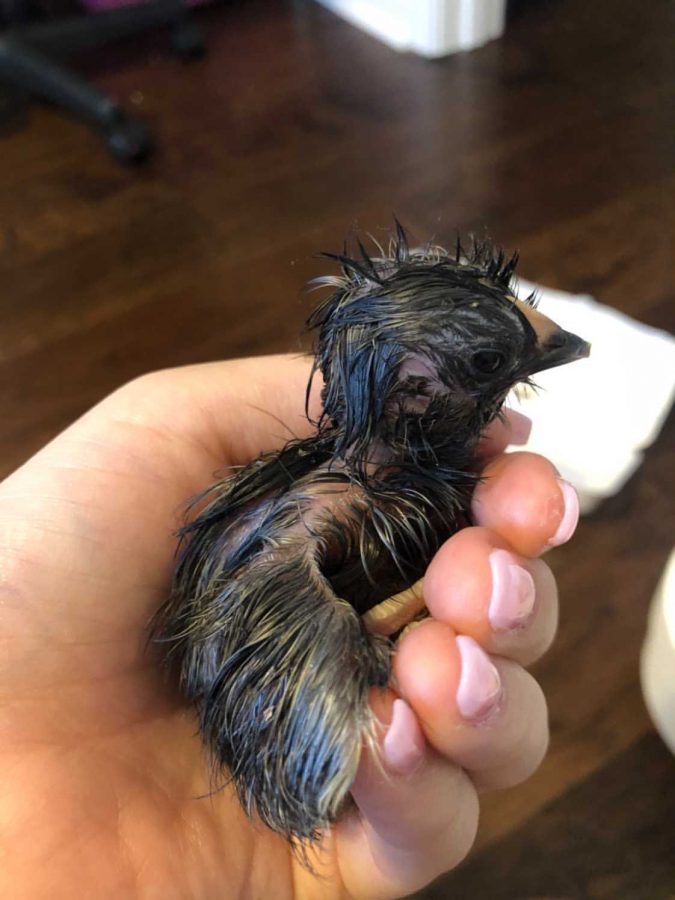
[(295, 128)]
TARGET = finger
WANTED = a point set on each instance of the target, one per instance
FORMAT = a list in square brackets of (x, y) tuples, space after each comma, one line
[(523, 499), (232, 410), (417, 813), (126, 469), (192, 419), (506, 602), (484, 713), (105, 496), (513, 428)]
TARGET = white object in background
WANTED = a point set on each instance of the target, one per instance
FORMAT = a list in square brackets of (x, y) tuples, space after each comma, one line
[(593, 418), (657, 662), (431, 28)]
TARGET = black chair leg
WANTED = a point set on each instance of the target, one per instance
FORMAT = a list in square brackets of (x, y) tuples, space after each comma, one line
[(27, 63), (128, 139)]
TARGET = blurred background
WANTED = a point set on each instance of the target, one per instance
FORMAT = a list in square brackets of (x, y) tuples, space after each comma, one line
[(293, 130)]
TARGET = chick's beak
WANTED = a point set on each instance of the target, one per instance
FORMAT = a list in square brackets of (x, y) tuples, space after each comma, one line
[(555, 347), (561, 347)]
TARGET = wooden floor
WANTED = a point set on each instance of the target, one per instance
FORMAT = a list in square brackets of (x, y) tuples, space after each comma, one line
[(295, 128)]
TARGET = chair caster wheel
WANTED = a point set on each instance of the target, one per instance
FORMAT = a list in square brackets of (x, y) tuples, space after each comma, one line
[(129, 141), (186, 40)]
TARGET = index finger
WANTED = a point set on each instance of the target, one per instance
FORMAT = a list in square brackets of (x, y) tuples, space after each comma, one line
[(100, 503)]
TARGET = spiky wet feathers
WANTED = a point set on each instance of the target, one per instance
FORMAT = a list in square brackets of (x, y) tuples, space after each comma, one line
[(417, 349)]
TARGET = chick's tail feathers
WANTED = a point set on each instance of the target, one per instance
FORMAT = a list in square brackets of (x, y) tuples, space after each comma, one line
[(280, 668)]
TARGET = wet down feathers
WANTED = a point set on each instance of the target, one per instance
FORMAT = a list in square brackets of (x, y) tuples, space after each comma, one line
[(272, 623)]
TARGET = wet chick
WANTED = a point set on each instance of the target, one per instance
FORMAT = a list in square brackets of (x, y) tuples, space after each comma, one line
[(279, 623)]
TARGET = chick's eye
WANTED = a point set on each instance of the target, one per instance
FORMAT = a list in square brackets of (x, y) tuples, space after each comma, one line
[(487, 362)]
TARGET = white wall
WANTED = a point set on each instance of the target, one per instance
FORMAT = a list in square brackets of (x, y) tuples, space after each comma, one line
[(429, 27)]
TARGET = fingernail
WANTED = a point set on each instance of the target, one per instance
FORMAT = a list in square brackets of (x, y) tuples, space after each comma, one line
[(403, 744), (480, 687), (570, 516), (520, 428), (512, 599)]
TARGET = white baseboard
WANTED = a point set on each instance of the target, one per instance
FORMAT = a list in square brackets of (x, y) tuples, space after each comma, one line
[(431, 28)]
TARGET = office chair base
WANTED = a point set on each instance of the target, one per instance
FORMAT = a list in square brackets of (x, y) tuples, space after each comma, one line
[(129, 141), (28, 65)]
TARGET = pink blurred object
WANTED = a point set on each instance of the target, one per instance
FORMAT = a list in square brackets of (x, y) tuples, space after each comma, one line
[(101, 5)]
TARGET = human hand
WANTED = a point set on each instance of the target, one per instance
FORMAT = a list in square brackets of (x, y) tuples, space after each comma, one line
[(102, 769)]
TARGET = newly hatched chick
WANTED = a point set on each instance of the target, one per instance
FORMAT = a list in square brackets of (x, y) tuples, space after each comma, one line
[(277, 623)]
